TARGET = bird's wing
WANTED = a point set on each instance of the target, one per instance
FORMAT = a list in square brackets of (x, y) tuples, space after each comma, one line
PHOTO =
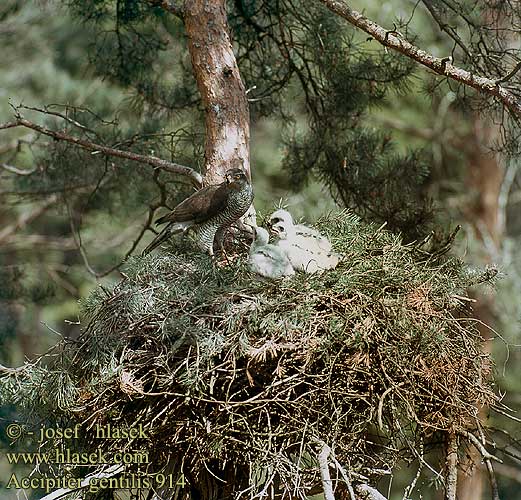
[(200, 206), (306, 230)]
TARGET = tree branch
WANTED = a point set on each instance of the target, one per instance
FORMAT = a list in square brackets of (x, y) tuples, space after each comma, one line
[(26, 218), (153, 161), (487, 458), (4, 126), (17, 171), (111, 471), (367, 492), (396, 41), (445, 27), (170, 6), (451, 462), (509, 75), (327, 484)]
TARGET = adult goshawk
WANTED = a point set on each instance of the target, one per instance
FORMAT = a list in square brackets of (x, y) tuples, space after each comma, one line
[(207, 211)]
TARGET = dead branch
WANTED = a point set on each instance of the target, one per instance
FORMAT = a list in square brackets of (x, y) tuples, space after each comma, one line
[(479, 445), (327, 484), (7, 125), (16, 170), (367, 492), (487, 458), (346, 478), (111, 471), (410, 488), (445, 27), (153, 161), (510, 74), (442, 66)]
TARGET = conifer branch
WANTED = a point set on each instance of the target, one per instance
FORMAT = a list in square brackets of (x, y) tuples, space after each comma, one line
[(442, 66), (170, 6), (451, 462), (153, 161)]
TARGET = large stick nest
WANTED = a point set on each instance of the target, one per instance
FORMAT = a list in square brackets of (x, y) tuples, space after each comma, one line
[(225, 369)]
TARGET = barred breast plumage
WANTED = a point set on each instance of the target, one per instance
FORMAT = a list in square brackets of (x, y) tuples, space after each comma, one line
[(208, 210)]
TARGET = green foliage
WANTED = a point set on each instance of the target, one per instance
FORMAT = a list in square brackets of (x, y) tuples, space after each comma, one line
[(8, 324), (18, 282), (392, 190)]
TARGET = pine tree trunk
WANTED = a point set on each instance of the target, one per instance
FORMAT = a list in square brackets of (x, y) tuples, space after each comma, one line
[(221, 88)]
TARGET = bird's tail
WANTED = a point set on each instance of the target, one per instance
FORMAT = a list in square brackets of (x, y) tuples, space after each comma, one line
[(161, 237)]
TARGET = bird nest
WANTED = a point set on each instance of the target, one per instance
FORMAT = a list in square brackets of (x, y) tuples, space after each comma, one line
[(242, 380)]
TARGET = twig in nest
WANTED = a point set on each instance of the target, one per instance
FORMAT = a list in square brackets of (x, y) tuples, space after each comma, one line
[(346, 479), (11, 371), (381, 404)]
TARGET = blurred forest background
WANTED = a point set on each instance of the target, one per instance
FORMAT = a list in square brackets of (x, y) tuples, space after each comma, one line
[(57, 246)]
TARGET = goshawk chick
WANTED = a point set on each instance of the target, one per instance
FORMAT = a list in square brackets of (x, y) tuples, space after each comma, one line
[(286, 218), (304, 253), (266, 259)]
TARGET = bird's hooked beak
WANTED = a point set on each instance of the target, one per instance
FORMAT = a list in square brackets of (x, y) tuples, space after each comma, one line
[(274, 221), (234, 178), (271, 225), (278, 230)]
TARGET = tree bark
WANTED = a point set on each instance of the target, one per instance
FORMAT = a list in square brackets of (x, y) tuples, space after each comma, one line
[(222, 90), (451, 463)]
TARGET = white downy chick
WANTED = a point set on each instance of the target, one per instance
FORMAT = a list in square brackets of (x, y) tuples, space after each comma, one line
[(284, 217), (304, 253), (266, 259)]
